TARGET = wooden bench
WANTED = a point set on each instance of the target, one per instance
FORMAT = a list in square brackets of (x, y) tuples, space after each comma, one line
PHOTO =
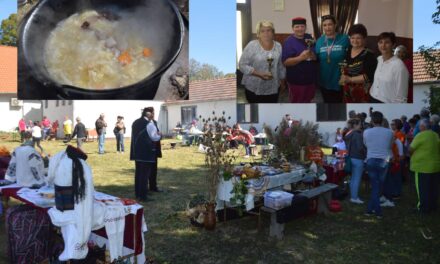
[(91, 135), (323, 192)]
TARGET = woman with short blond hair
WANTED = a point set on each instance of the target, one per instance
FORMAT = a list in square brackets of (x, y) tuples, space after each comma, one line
[(260, 63)]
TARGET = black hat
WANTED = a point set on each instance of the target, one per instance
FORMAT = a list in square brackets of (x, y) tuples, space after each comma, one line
[(298, 21)]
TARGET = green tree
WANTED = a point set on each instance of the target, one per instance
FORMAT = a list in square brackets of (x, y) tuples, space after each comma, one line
[(431, 55), (203, 71), (8, 31)]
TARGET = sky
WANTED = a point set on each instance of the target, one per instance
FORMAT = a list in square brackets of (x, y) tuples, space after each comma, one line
[(425, 31), (7, 7), (212, 33)]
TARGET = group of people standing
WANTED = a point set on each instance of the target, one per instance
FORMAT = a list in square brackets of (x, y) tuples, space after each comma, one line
[(384, 150), (340, 65), (40, 130), (145, 147)]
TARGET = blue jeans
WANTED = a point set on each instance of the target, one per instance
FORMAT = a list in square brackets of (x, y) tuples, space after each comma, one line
[(376, 171), (46, 133), (357, 168), (246, 147), (120, 142), (101, 141)]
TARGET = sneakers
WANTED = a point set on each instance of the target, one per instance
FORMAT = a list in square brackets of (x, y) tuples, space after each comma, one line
[(246, 157), (383, 199), (369, 214), (426, 233), (387, 203), (356, 201)]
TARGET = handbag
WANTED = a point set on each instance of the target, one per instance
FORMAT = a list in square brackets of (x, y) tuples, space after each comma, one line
[(347, 164)]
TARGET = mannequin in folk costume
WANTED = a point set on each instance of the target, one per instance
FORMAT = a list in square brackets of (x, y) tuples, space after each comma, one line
[(72, 179), (26, 166)]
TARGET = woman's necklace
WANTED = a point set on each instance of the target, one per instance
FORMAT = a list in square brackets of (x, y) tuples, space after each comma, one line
[(329, 49)]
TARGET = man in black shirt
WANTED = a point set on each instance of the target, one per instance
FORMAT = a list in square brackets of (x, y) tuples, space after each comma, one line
[(80, 132)]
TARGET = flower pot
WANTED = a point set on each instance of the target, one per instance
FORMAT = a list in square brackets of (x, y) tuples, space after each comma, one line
[(210, 217)]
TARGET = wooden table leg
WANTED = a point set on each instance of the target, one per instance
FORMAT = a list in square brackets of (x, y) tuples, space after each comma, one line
[(5, 202)]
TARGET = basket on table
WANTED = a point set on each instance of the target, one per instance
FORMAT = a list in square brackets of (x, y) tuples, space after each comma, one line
[(286, 167), (251, 173)]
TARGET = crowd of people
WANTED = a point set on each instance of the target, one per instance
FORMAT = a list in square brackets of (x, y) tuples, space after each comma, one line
[(27, 168), (338, 64), (391, 152), (46, 130), (40, 130)]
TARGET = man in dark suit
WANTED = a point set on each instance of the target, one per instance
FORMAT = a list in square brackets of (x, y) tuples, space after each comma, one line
[(144, 151)]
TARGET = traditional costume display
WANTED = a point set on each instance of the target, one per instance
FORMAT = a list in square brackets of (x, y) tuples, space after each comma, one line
[(72, 179), (26, 166)]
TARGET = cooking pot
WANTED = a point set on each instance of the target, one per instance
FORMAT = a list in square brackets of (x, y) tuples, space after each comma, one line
[(44, 17)]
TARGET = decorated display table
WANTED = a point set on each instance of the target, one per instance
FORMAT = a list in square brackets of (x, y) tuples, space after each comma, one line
[(257, 187), (134, 226), (334, 169)]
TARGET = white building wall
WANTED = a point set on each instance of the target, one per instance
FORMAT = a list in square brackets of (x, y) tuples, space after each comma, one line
[(54, 113), (204, 109), (131, 110), (10, 115), (387, 15), (272, 114)]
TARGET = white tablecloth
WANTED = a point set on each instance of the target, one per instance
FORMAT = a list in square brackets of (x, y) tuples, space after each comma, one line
[(260, 185)]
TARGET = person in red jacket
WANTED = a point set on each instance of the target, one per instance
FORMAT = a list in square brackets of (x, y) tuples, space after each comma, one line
[(244, 137)]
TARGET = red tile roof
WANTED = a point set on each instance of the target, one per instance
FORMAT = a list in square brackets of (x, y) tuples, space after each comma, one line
[(211, 90), (218, 89), (421, 74), (8, 69)]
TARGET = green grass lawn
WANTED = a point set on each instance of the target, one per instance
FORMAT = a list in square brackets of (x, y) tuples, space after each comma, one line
[(345, 237)]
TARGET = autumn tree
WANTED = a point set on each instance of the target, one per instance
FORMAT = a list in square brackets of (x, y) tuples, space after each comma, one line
[(8, 31), (205, 71)]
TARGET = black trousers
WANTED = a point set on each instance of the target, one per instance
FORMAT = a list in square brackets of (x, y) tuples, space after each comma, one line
[(427, 187), (330, 96), (143, 171), (152, 180), (253, 98)]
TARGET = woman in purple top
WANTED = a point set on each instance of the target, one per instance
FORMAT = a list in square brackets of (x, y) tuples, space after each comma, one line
[(300, 60)]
